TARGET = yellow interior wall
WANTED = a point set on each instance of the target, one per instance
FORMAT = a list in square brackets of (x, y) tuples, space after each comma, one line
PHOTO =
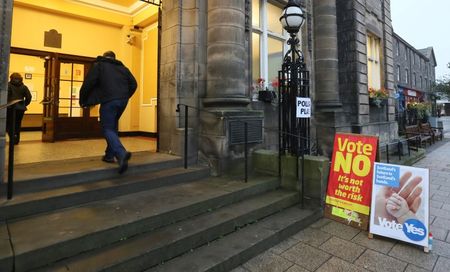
[(149, 79), (84, 38), (33, 66), (85, 32), (72, 9)]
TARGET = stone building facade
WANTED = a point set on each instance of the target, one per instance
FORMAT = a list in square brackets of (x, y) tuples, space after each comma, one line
[(206, 63)]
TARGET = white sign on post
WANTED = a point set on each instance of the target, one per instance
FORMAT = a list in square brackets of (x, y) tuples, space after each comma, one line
[(303, 107), (399, 207)]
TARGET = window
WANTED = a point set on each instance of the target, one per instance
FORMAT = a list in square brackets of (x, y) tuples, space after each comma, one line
[(415, 79), (421, 82), (268, 40), (406, 76), (413, 58), (373, 62), (399, 76), (398, 48), (406, 53)]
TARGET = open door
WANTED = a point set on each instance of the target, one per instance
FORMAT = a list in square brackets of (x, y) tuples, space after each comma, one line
[(62, 116)]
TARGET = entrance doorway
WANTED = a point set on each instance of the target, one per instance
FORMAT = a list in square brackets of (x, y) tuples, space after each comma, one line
[(58, 84)]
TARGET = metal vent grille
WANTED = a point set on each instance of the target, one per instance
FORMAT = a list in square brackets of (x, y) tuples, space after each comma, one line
[(237, 131)]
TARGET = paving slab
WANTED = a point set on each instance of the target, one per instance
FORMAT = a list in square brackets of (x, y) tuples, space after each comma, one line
[(306, 256), (375, 261), (343, 249), (338, 265), (283, 246), (414, 255), (438, 233), (296, 268), (340, 230), (413, 268), (268, 262), (442, 265), (312, 236), (377, 243), (441, 248)]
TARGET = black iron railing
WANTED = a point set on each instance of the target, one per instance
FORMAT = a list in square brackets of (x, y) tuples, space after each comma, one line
[(300, 153), (11, 146)]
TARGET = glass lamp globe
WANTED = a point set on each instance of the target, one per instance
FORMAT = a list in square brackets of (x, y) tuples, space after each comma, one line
[(292, 17)]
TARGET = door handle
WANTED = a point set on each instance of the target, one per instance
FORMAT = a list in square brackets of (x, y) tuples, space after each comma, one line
[(45, 102)]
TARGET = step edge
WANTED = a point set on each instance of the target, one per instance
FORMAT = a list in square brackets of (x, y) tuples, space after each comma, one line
[(67, 248)]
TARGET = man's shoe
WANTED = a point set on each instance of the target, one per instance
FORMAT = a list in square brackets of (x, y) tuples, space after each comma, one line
[(108, 160), (123, 163)]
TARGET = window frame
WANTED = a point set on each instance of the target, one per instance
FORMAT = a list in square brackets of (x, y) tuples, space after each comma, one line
[(265, 34), (374, 61)]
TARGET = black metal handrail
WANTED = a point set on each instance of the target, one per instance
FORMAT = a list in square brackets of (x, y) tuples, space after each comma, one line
[(246, 125), (11, 146), (302, 152)]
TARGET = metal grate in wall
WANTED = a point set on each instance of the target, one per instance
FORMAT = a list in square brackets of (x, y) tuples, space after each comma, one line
[(237, 131)]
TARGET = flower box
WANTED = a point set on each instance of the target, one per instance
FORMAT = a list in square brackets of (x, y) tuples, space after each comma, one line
[(378, 102)]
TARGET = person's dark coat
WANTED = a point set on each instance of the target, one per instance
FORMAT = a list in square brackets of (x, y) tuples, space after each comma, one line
[(108, 79), (18, 90)]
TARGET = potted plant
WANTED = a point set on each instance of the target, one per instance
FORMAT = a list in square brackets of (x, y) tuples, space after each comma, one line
[(378, 97), (262, 93), (421, 110)]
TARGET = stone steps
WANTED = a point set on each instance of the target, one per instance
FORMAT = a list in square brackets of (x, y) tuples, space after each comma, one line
[(48, 237), (97, 220), (149, 249), (33, 177), (57, 198), (230, 251)]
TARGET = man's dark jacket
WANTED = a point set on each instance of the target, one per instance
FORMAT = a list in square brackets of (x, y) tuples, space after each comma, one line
[(108, 79)]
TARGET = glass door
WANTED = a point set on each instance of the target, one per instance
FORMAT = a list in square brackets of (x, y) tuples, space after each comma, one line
[(63, 117)]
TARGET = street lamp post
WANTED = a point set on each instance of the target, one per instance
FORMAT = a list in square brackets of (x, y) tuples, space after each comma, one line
[(293, 84)]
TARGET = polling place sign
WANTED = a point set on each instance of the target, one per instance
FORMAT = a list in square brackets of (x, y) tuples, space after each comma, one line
[(350, 180), (399, 207), (303, 107)]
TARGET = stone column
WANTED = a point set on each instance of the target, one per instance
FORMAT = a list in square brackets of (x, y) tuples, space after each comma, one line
[(326, 54), (226, 54), (329, 116), (5, 42)]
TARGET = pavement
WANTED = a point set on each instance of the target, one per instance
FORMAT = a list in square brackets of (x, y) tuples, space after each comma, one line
[(331, 246)]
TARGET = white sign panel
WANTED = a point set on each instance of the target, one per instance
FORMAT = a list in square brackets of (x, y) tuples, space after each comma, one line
[(303, 107), (399, 207)]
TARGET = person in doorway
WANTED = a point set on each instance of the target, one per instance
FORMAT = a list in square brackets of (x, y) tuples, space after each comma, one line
[(16, 91), (110, 84)]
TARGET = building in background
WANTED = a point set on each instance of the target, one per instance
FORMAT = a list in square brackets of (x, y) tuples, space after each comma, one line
[(414, 76)]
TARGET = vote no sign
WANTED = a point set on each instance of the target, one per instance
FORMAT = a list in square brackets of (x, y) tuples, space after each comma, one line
[(303, 107)]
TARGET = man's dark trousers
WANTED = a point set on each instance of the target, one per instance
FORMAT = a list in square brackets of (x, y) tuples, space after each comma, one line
[(110, 113)]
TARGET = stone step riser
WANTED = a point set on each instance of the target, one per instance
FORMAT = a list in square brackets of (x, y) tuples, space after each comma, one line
[(73, 247), (64, 180), (179, 247), (78, 198), (235, 249), (264, 244)]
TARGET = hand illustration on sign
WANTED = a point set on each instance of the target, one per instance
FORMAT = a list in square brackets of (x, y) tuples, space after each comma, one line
[(398, 207), (399, 203)]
